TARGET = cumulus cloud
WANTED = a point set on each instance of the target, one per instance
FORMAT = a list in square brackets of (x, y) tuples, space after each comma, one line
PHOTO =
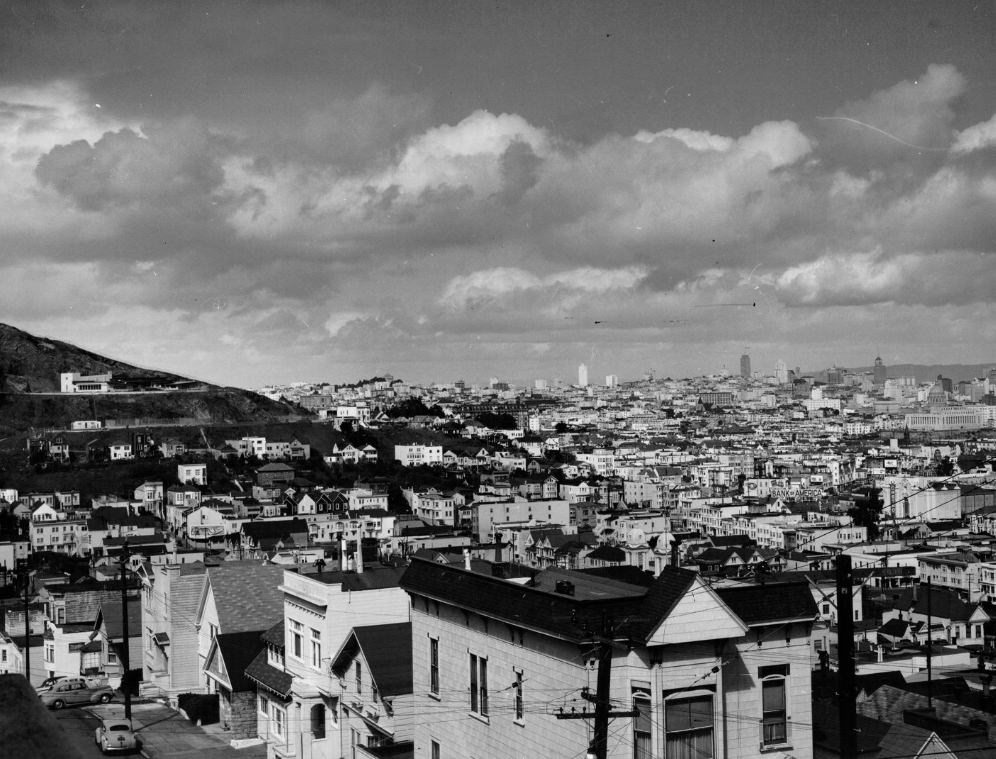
[(493, 284), (125, 168), (901, 122), (930, 279), (492, 230)]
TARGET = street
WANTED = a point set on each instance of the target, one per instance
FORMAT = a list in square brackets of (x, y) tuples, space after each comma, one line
[(80, 723)]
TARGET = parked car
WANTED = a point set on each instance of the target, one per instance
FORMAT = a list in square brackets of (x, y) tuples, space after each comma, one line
[(76, 690), (48, 682), (115, 734)]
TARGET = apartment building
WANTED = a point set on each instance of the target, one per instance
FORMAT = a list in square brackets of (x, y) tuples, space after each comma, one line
[(705, 673)]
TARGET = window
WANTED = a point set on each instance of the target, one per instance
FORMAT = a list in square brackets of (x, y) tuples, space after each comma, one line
[(479, 685), (689, 724), (517, 695), (296, 629), (318, 721), (277, 720), (434, 752), (316, 649), (642, 724), (434, 666), (774, 722), (49, 654), (359, 678), (264, 706)]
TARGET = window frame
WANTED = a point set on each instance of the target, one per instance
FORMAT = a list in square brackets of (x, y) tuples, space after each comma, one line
[(434, 666), (642, 723), (518, 698), (769, 678), (316, 711), (673, 700), (479, 685)]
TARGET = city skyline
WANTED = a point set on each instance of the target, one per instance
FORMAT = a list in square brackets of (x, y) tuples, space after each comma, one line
[(256, 193)]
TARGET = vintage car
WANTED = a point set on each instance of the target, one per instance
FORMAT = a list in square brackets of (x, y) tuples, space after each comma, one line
[(115, 734), (76, 690)]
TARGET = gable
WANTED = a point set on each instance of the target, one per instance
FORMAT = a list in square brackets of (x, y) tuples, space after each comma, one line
[(215, 665), (698, 615)]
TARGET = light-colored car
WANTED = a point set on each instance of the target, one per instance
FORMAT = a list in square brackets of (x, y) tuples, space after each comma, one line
[(115, 734), (76, 690)]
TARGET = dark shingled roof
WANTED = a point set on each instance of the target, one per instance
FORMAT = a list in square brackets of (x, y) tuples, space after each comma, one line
[(538, 606), (268, 676), (275, 635), (371, 578), (608, 553), (388, 653), (246, 594), (239, 650), (756, 604), (276, 528)]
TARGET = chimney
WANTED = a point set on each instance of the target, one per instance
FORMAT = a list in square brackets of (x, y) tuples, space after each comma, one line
[(466, 559)]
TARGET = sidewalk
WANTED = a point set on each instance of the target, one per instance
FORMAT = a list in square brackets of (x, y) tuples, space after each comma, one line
[(167, 734)]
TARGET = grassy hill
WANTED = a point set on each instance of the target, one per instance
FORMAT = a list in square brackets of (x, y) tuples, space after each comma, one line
[(30, 366)]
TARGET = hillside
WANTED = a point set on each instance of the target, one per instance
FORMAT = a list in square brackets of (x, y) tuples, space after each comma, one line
[(32, 364), (30, 368)]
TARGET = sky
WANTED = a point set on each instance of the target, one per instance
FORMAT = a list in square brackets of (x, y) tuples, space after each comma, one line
[(261, 192)]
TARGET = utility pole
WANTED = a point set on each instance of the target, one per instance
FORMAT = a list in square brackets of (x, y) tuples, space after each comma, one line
[(125, 659), (846, 695), (27, 624), (930, 650), (598, 748)]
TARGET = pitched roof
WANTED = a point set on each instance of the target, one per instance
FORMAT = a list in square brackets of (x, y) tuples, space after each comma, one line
[(246, 594), (239, 650), (757, 603), (388, 652), (268, 676), (110, 614)]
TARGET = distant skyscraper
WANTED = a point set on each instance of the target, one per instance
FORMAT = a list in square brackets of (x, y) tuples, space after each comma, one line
[(611, 380), (835, 376), (878, 371), (745, 366), (781, 372), (541, 384), (583, 376)]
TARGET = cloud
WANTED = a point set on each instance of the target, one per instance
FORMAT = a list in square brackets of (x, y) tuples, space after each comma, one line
[(900, 123), (493, 284), (914, 278), (489, 234), (172, 166), (976, 137)]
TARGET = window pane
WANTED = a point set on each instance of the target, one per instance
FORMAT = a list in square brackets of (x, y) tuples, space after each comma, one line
[(473, 683), (773, 695)]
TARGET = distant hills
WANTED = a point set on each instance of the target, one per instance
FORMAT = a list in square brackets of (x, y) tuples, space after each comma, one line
[(30, 366)]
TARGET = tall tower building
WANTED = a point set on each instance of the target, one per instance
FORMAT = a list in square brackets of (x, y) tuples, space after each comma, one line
[(878, 371), (582, 376), (611, 380), (781, 372), (745, 366)]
